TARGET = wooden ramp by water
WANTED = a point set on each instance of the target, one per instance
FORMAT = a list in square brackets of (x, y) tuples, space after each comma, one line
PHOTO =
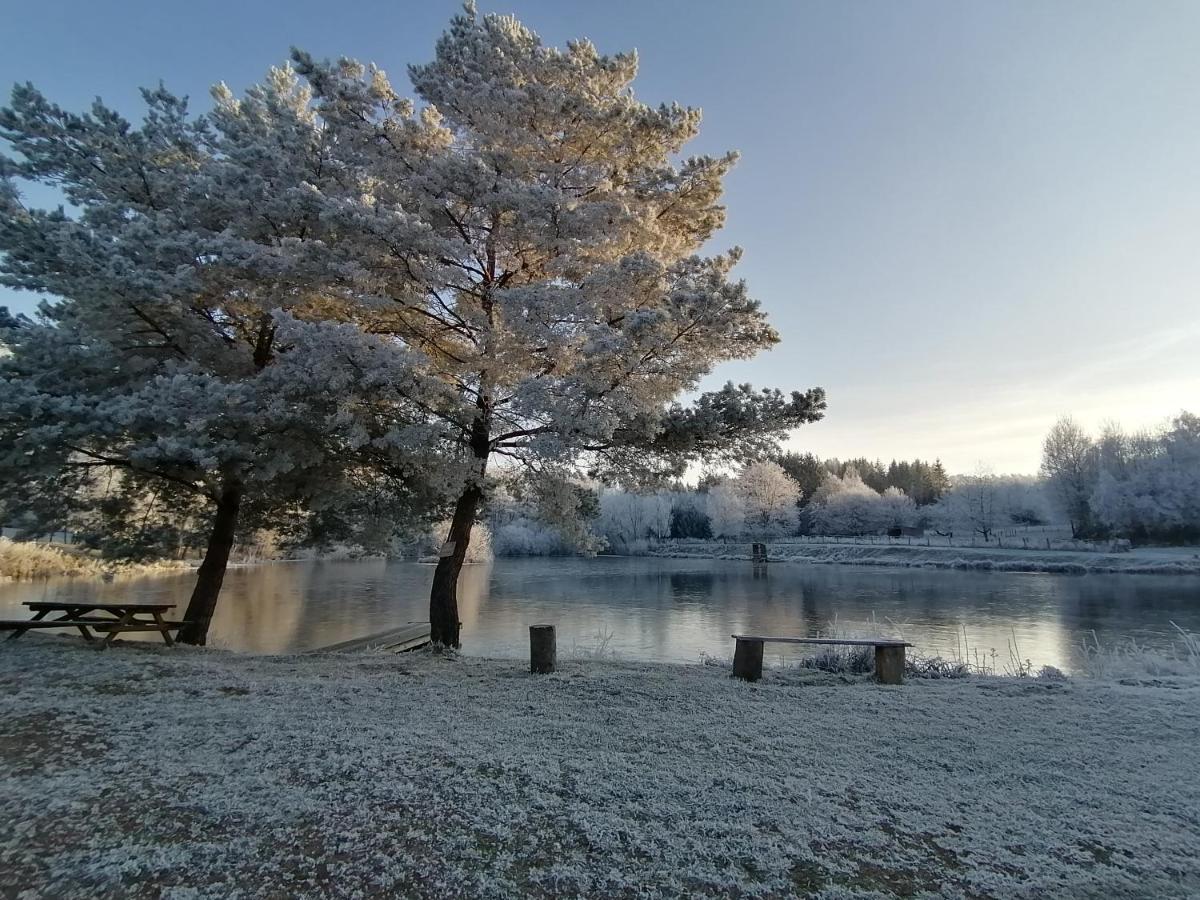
[(396, 640)]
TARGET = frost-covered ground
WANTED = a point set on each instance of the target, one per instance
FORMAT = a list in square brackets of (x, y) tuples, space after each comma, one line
[(143, 772), (1142, 561)]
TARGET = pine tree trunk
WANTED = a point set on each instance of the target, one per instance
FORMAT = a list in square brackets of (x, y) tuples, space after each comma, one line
[(443, 596), (211, 573)]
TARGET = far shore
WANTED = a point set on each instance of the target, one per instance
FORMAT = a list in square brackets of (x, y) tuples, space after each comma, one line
[(147, 771), (1139, 561), (35, 562)]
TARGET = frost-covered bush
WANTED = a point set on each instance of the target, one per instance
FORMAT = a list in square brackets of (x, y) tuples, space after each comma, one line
[(528, 537), (549, 516)]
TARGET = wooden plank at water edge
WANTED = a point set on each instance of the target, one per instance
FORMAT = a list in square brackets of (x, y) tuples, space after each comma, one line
[(397, 640)]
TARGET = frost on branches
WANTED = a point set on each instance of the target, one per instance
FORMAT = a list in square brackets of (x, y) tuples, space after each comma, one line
[(526, 244)]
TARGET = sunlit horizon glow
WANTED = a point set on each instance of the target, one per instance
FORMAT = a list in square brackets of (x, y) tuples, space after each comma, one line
[(964, 219)]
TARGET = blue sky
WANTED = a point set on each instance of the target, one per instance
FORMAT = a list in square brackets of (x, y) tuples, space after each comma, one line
[(965, 218)]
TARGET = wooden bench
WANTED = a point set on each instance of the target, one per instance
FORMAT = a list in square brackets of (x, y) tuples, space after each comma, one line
[(748, 655)]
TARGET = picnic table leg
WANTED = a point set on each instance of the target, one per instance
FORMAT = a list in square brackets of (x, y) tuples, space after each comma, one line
[(889, 664), (75, 612), (747, 659), (163, 628), (127, 619), (41, 614)]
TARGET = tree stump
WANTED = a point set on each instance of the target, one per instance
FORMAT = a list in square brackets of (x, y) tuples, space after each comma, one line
[(747, 659), (543, 654), (889, 664)]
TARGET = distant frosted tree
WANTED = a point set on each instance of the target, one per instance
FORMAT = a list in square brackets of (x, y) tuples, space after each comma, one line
[(726, 511), (769, 498), (1149, 483), (846, 505), (982, 503), (629, 520), (896, 509), (1069, 467), (689, 515), (979, 502)]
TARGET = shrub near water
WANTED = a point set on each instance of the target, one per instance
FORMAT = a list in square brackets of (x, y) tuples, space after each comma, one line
[(24, 561)]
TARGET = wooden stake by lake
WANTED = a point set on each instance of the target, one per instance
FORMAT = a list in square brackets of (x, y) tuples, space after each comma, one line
[(543, 655)]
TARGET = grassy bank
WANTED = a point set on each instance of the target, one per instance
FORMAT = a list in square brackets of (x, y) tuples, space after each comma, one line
[(145, 772), (1142, 561)]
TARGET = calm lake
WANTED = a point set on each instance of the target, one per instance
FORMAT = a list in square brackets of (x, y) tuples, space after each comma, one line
[(672, 610)]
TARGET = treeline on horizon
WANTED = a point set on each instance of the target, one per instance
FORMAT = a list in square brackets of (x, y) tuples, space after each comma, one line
[(1143, 487)]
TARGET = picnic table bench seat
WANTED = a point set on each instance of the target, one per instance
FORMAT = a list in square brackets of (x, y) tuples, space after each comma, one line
[(889, 654)]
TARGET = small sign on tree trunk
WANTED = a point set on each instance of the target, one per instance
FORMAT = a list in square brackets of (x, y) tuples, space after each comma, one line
[(447, 550)]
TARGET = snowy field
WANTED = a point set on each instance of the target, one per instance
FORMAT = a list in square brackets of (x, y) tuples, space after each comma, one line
[(859, 552), (146, 772)]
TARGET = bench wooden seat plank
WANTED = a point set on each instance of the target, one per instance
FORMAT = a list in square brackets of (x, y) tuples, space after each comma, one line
[(50, 605), (856, 642), (889, 654)]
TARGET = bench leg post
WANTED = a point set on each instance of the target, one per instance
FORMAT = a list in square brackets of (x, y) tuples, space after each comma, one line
[(889, 665), (747, 659)]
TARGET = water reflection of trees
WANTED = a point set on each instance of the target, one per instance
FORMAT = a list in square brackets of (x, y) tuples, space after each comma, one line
[(668, 609), (262, 608)]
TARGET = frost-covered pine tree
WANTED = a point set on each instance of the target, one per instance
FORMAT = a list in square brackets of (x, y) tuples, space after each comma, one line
[(188, 354), (534, 233)]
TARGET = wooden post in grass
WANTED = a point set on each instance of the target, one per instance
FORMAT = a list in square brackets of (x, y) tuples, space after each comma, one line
[(889, 664), (543, 654), (747, 659)]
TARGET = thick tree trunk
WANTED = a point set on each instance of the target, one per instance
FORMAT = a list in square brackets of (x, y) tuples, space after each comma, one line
[(211, 573), (443, 597)]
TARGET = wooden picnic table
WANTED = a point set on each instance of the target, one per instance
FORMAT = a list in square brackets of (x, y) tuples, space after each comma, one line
[(110, 618)]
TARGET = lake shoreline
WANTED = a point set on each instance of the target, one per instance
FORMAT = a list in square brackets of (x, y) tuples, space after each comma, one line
[(1151, 561), (429, 776)]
